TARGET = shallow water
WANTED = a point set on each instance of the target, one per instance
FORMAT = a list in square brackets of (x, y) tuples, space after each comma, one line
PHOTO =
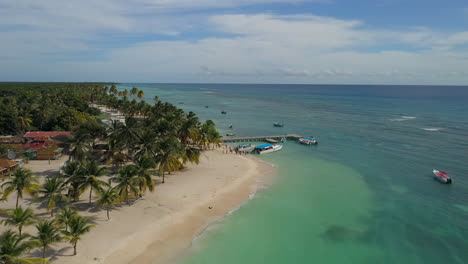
[(365, 194)]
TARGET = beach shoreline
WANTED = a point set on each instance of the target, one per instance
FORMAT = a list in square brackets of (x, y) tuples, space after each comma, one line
[(162, 225)]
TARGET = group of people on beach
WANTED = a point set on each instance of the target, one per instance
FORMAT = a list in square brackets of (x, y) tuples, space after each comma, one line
[(229, 150)]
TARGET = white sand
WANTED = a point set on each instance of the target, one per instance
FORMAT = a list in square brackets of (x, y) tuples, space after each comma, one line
[(161, 225)]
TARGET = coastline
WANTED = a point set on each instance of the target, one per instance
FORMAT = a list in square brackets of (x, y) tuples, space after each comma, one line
[(161, 226)]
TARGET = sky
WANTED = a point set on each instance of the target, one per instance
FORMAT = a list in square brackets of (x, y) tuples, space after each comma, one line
[(235, 41)]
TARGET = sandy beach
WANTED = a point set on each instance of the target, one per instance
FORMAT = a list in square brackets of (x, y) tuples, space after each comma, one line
[(161, 226)]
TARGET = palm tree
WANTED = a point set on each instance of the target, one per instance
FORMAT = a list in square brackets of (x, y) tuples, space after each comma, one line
[(78, 227), (22, 180), (24, 123), (168, 156), (13, 246), (91, 180), (74, 174), (64, 216), (47, 234), (113, 89), (144, 179), (114, 153), (19, 217), (190, 129), (52, 192), (107, 199), (191, 154), (140, 94), (133, 91), (126, 182), (125, 92)]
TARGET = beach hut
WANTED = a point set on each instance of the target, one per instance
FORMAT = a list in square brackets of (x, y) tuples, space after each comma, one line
[(51, 152), (7, 165)]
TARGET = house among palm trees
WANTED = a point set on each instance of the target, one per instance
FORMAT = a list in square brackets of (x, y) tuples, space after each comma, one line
[(40, 136), (7, 165), (43, 146)]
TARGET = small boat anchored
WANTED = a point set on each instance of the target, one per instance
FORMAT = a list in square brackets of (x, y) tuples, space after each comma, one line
[(223, 112), (442, 176), (230, 126), (245, 147), (230, 134), (267, 148), (276, 124), (308, 140)]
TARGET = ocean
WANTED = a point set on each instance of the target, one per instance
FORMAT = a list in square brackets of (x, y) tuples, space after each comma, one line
[(364, 194)]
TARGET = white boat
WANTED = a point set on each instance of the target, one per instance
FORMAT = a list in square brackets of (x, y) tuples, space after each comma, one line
[(267, 148), (308, 140), (442, 176), (245, 147)]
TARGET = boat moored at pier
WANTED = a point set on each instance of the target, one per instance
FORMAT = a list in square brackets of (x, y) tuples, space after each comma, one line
[(308, 140), (267, 148), (245, 147)]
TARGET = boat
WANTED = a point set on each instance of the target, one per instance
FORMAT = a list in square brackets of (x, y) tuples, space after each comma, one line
[(230, 126), (442, 176), (276, 124), (267, 148), (180, 102), (308, 140), (245, 147), (223, 112), (206, 106), (230, 134)]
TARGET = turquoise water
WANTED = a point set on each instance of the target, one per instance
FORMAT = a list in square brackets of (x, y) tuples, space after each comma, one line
[(365, 194)]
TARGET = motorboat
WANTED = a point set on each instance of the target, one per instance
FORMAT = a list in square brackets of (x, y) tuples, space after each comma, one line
[(223, 112), (230, 134), (267, 148), (206, 106), (230, 126), (276, 124), (245, 147), (308, 140), (442, 176)]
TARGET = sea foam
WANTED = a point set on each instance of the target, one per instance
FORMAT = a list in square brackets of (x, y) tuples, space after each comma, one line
[(403, 118), (432, 129)]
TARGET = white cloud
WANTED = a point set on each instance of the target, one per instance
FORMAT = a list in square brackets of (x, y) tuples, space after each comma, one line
[(42, 37)]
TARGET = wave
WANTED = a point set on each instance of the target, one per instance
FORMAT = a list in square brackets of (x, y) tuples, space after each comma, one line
[(432, 129), (403, 118)]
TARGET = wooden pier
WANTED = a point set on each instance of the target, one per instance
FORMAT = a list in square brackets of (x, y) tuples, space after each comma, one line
[(270, 139)]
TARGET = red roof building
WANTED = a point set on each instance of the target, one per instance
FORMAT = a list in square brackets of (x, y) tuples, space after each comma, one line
[(43, 136), (36, 146)]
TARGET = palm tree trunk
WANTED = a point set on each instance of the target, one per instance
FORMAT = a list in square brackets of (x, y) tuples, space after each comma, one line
[(90, 192), (74, 248), (19, 229), (163, 177), (108, 218), (17, 200), (43, 251), (52, 212)]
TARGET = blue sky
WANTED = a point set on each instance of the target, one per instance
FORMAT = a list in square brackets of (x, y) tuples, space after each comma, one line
[(235, 41)]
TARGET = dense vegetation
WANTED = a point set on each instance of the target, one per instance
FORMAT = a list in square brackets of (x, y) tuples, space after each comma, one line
[(118, 162), (45, 106)]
